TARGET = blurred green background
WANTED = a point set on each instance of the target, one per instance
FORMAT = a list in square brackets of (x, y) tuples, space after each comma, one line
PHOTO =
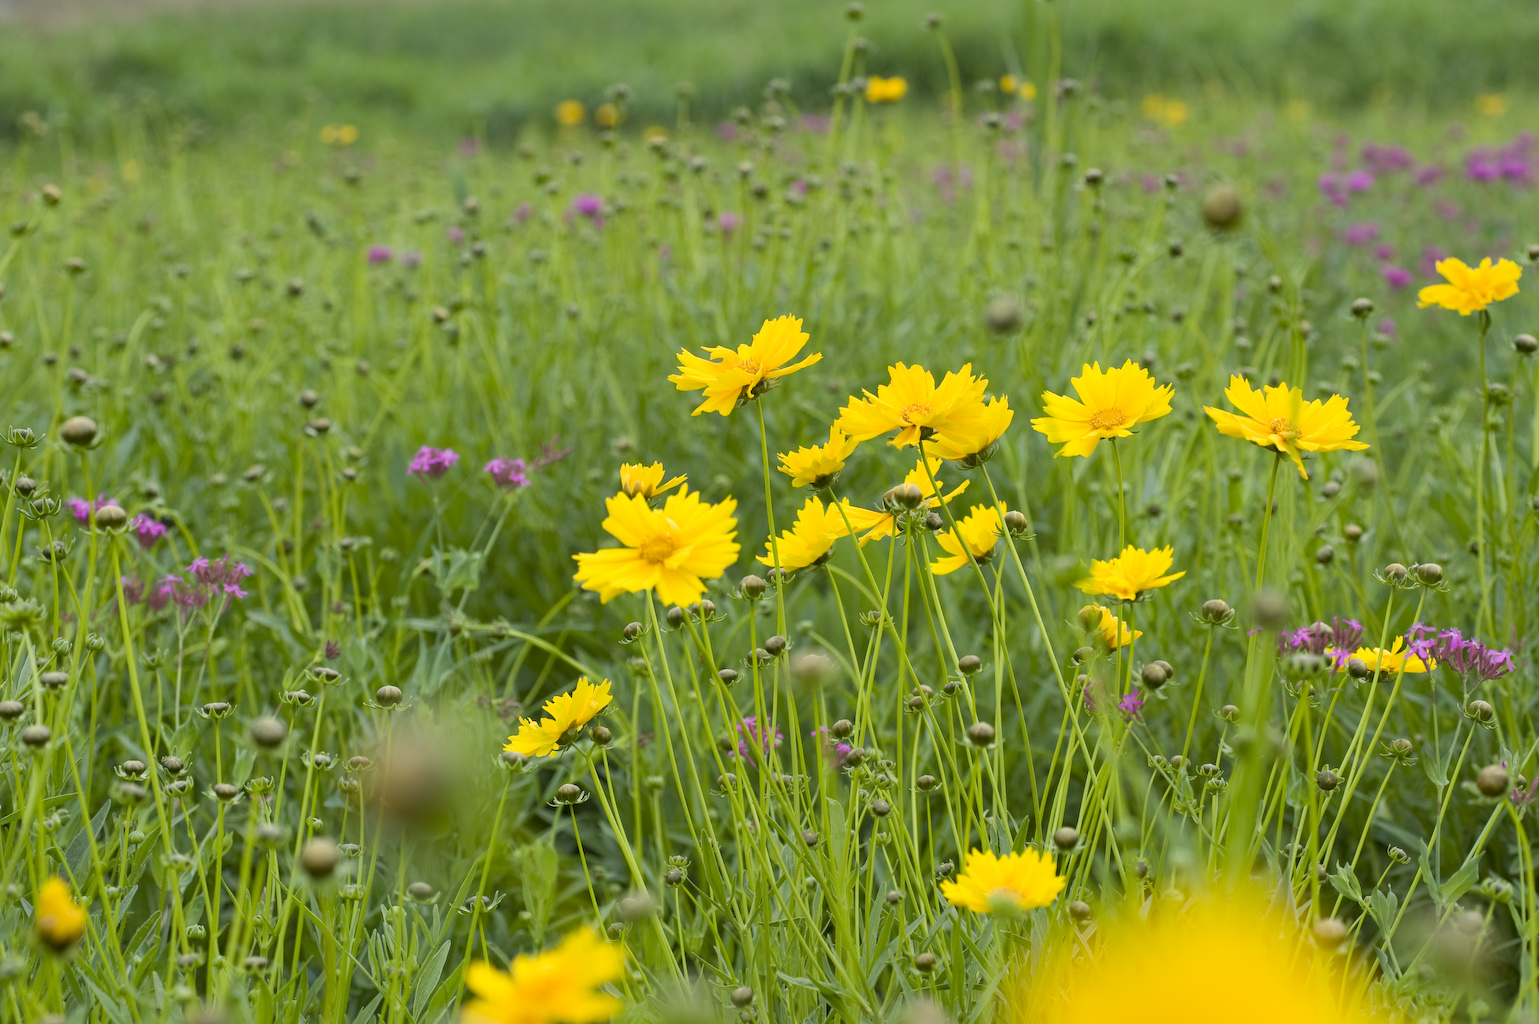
[(454, 66)]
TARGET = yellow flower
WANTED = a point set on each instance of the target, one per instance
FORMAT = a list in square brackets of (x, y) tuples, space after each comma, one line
[(878, 525), (817, 466), (347, 134), (670, 550), (730, 378), (910, 403), (646, 481), (1113, 632), (1471, 288), (1390, 662), (885, 90), (1028, 90), (1007, 84), (1491, 104), (606, 115), (810, 540), (973, 540), (1278, 417), (1015, 882), (1111, 402), (571, 113), (1130, 573), (60, 920), (654, 133), (1236, 962), (972, 430), (568, 712), (560, 986)]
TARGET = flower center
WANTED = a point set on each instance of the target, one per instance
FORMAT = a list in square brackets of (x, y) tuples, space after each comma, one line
[(750, 366), (1108, 419), (659, 547), (914, 411), (1283, 429)]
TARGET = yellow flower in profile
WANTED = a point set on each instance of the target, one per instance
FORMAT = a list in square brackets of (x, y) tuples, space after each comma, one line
[(816, 466), (1130, 573), (568, 712), (1278, 417), (1391, 662), (60, 920), (645, 481), (1491, 104), (606, 115), (1112, 631), (910, 403), (1111, 402), (730, 378), (969, 435), (1469, 289), (571, 113), (973, 540), (1013, 883), (878, 525), (560, 986), (811, 538), (670, 550), (1232, 960), (885, 90)]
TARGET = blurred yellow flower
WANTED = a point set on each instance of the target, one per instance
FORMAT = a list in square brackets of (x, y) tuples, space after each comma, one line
[(971, 431), (885, 90), (1167, 111), (810, 540), (670, 550), (1491, 104), (1471, 288), (1297, 110), (646, 481), (1389, 662), (1130, 573), (973, 540), (606, 115), (1113, 632), (560, 986), (571, 113), (1008, 83), (818, 465), (878, 525), (60, 920), (731, 378), (1278, 417), (131, 171), (910, 403), (1013, 883), (1028, 90), (339, 134), (654, 133), (568, 712), (1111, 402)]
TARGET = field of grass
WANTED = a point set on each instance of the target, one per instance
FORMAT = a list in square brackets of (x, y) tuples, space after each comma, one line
[(274, 664)]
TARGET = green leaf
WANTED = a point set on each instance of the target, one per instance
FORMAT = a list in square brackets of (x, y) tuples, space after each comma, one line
[(1345, 882), (427, 981), (537, 865)]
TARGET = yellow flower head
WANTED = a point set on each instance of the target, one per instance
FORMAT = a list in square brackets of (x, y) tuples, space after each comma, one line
[(817, 466), (339, 134), (810, 540), (970, 432), (973, 540), (670, 550), (1111, 402), (1236, 962), (1008, 84), (1390, 662), (607, 115), (1278, 417), (729, 378), (1028, 90), (1491, 104), (1471, 288), (910, 403), (878, 525), (1130, 573), (568, 712), (1015, 882), (886, 90), (571, 113), (645, 481), (1112, 631), (560, 986), (60, 920)]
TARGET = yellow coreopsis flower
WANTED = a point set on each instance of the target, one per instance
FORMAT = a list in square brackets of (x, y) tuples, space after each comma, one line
[(1111, 630), (973, 540), (968, 436), (670, 550), (810, 540), (1278, 417), (1008, 84), (571, 113), (1111, 402), (1028, 90), (885, 90), (729, 378), (1130, 573), (1014, 883), (876, 525), (560, 986), (568, 712), (910, 403), (1391, 662), (607, 115), (646, 481), (60, 920), (1469, 289), (816, 466)]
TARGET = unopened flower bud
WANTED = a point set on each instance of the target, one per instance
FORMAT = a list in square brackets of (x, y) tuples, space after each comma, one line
[(1066, 838), (924, 963), (1481, 711), (601, 735), (1324, 554), (1492, 780), (980, 734), (1429, 573), (319, 857), (1357, 668), (110, 517), (631, 631), (925, 783), (1327, 780), (268, 731), (969, 664), (752, 586), (1330, 931), (569, 793), (1216, 612), (842, 728), (742, 996), (1015, 522), (1154, 676), (775, 645), (906, 495), (388, 696), (1362, 307), (1079, 910), (675, 617), (1352, 532), (1229, 713), (1527, 344), (1395, 572), (78, 431), (1222, 207), (36, 735)]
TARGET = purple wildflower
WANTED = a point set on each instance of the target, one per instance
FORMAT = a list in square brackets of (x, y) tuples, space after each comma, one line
[(1397, 277), (587, 205), (432, 462), (1387, 159), (523, 212), (380, 254), (1359, 181), (456, 234), (82, 509), (1387, 328), (726, 131), (1383, 251), (1132, 706), (508, 473), (836, 750), (147, 530), (1450, 648), (1333, 188), (1360, 234), (1427, 175), (728, 222), (756, 742), (411, 258)]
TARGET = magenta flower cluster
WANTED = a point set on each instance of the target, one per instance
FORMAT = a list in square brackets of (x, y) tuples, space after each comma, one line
[(834, 749), (1468, 657), (146, 530), (1336, 639), (508, 473), (755, 742), (204, 581), (432, 463)]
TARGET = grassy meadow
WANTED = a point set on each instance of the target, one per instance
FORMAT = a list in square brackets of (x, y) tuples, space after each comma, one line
[(324, 341)]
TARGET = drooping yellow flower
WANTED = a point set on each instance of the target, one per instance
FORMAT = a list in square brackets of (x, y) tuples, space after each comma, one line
[(1130, 573), (810, 540), (816, 466), (886, 90), (560, 986), (568, 712), (729, 378), (879, 524), (670, 550), (910, 403), (1236, 962), (60, 920), (973, 540), (1278, 417), (571, 113), (646, 481), (1014, 883), (1471, 288), (1111, 402), (972, 430), (1111, 630), (1390, 662)]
